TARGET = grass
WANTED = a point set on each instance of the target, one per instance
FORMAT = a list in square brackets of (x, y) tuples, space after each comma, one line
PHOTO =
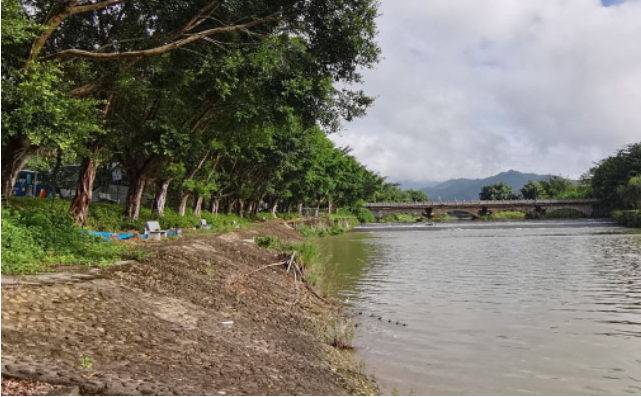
[(110, 217), (38, 235), (318, 231), (341, 334), (400, 218), (87, 363), (307, 254), (37, 240), (443, 218), (504, 216), (564, 214)]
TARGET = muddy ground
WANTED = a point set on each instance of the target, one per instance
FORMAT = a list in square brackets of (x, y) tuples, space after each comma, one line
[(161, 325)]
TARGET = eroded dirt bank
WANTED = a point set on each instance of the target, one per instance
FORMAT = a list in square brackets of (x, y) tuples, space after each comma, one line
[(160, 326)]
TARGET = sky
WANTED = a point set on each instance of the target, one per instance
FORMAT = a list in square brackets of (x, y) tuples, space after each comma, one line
[(470, 88)]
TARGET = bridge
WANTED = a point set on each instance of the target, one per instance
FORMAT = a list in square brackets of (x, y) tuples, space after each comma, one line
[(431, 209)]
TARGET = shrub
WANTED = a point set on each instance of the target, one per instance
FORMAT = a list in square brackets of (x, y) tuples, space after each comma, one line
[(564, 214), (442, 218), (365, 216), (307, 253), (506, 215), (400, 218), (341, 334), (36, 238), (269, 242), (630, 218), (288, 215)]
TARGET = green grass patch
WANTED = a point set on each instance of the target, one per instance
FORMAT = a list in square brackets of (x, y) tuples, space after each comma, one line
[(564, 214), (443, 218), (400, 218), (318, 231), (507, 215), (307, 254), (38, 234), (36, 240), (269, 242)]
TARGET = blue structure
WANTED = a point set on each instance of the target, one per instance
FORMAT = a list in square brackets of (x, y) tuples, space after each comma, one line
[(27, 184)]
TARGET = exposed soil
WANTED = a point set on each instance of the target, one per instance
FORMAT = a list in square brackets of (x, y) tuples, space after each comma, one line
[(22, 387), (161, 326)]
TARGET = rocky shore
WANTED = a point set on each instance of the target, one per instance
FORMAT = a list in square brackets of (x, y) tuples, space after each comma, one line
[(194, 318)]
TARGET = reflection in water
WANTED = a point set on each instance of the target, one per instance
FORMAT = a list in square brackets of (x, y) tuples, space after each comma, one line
[(495, 310)]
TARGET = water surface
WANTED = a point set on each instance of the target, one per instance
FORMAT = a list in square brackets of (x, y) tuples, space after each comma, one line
[(503, 308)]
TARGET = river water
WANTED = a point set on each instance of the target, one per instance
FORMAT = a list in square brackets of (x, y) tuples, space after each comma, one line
[(494, 308)]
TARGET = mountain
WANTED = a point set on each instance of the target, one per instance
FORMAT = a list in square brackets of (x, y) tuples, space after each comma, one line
[(414, 185), (469, 189)]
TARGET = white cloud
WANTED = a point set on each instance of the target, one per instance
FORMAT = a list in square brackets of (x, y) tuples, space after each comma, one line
[(470, 88)]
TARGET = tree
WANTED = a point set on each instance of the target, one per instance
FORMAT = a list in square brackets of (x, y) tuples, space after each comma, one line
[(496, 191), (37, 109), (630, 194), (610, 175), (164, 78)]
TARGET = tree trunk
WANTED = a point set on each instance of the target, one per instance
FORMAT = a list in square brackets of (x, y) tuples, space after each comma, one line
[(198, 205), (160, 198), (317, 212), (134, 195), (300, 209), (79, 208), (329, 206), (230, 206), (250, 209), (241, 207), (15, 155), (274, 208), (182, 203), (215, 204)]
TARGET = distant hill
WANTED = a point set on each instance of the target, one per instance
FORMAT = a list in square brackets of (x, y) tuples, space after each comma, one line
[(469, 189), (413, 185)]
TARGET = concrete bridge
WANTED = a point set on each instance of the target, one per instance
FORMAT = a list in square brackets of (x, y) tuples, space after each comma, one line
[(485, 207)]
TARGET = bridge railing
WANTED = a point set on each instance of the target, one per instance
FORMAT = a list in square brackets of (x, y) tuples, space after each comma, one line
[(481, 203)]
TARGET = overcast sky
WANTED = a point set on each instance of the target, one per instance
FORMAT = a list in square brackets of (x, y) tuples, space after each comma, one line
[(470, 88)]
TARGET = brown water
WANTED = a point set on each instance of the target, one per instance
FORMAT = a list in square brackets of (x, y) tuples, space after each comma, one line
[(518, 308)]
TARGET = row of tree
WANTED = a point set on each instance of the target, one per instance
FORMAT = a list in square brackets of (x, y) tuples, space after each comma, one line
[(616, 181), (225, 104)]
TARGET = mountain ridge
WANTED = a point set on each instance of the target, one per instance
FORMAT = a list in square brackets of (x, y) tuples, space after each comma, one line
[(469, 189)]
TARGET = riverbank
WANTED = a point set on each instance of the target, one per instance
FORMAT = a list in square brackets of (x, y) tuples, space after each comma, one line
[(195, 317)]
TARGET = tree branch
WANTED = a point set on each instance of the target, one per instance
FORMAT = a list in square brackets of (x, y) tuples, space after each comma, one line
[(74, 53), (52, 23), (50, 26), (96, 6)]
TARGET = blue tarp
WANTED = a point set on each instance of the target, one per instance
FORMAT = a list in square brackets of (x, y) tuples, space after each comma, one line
[(107, 236)]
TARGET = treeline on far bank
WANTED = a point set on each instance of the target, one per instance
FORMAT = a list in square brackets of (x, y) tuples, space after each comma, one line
[(615, 180)]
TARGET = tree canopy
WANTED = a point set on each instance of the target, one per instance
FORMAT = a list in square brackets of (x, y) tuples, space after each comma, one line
[(496, 191), (218, 104)]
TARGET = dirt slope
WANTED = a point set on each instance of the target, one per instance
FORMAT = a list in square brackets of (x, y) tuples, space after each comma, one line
[(160, 326)]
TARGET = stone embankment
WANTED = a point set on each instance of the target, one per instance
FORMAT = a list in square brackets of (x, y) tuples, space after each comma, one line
[(193, 318)]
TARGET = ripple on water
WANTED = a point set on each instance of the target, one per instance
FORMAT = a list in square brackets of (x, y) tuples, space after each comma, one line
[(555, 310)]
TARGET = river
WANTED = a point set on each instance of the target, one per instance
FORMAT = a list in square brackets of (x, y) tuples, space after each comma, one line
[(530, 307)]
